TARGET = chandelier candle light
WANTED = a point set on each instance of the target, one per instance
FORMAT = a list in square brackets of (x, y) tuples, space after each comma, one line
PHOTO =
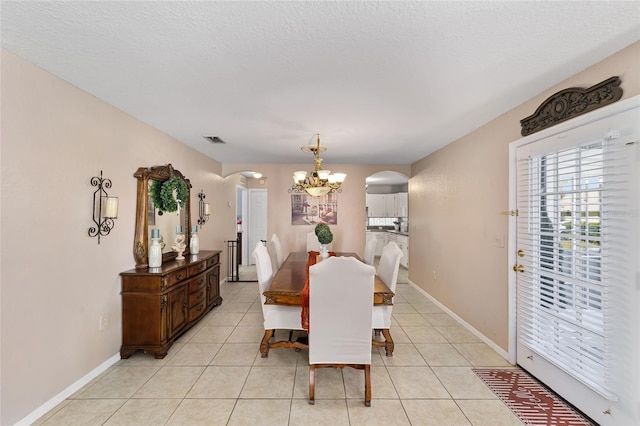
[(319, 181)]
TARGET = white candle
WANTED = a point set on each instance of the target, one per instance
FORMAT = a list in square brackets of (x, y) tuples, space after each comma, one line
[(110, 207), (206, 208)]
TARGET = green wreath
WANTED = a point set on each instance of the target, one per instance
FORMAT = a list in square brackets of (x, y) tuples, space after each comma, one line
[(162, 194)]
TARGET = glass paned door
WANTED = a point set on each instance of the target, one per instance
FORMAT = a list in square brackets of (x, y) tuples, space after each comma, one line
[(578, 250)]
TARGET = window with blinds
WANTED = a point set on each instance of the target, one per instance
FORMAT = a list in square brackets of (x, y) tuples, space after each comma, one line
[(576, 223)]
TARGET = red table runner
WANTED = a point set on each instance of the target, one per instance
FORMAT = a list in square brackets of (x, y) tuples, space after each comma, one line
[(304, 296)]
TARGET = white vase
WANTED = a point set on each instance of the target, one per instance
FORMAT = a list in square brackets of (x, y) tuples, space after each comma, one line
[(155, 253), (194, 244), (324, 251)]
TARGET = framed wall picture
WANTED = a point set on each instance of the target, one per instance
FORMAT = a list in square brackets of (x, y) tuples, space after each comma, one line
[(308, 210)]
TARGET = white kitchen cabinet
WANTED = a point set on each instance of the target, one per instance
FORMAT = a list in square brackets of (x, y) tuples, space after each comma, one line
[(376, 205), (403, 243), (401, 203), (388, 205), (381, 241)]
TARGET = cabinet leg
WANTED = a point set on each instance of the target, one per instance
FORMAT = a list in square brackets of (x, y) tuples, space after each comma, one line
[(126, 352)]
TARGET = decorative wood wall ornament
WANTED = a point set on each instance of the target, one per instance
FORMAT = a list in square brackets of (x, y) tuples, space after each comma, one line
[(570, 103)]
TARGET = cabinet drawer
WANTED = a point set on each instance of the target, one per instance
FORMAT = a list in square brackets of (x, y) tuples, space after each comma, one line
[(197, 268), (197, 297), (196, 311), (176, 277), (214, 260), (197, 283)]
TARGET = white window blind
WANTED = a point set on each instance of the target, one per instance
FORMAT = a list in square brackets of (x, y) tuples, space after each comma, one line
[(578, 226)]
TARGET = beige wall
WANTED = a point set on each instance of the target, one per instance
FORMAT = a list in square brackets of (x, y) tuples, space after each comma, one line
[(56, 280), (455, 199)]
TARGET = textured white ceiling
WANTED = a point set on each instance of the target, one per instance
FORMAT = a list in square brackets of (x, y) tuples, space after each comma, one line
[(382, 82)]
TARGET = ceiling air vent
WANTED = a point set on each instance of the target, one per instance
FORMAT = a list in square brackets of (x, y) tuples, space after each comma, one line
[(214, 139)]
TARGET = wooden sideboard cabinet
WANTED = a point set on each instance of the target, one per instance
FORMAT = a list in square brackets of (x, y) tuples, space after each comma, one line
[(160, 304)]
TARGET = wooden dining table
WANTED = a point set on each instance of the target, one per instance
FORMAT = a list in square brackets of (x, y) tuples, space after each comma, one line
[(286, 289)]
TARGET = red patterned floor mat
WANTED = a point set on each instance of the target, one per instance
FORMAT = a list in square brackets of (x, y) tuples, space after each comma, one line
[(532, 402)]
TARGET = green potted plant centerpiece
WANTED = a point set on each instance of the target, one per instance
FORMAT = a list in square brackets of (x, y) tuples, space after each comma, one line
[(325, 236)]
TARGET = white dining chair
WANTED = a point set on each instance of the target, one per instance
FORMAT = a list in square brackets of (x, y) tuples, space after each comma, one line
[(370, 249), (387, 271), (313, 244), (279, 250), (274, 247), (340, 318), (271, 250), (276, 317)]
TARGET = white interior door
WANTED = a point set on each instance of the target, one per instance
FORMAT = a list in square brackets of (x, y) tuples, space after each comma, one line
[(242, 213), (578, 257), (257, 214)]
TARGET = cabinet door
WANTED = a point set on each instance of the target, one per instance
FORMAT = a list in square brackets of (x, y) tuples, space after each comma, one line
[(213, 286), (177, 310), (376, 204), (402, 204), (404, 260), (403, 243), (390, 205), (381, 241)]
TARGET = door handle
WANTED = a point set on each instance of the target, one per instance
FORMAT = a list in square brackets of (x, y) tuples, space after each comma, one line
[(518, 268)]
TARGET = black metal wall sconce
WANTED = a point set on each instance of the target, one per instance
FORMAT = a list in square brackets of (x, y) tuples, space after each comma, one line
[(105, 208), (203, 209)]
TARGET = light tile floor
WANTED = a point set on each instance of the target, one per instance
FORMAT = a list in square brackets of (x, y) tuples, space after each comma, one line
[(214, 375)]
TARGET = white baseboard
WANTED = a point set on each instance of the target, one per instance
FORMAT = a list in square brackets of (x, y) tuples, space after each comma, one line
[(504, 354), (53, 402)]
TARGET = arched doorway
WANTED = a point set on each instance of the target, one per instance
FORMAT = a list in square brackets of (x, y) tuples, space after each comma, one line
[(388, 214)]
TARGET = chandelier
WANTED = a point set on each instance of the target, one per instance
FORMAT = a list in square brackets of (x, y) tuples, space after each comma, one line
[(319, 181)]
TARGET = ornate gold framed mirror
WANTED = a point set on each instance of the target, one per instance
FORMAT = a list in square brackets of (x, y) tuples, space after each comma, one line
[(148, 216)]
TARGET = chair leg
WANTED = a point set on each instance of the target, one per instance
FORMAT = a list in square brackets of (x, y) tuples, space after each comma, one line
[(264, 345), (367, 385), (388, 345), (312, 384)]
